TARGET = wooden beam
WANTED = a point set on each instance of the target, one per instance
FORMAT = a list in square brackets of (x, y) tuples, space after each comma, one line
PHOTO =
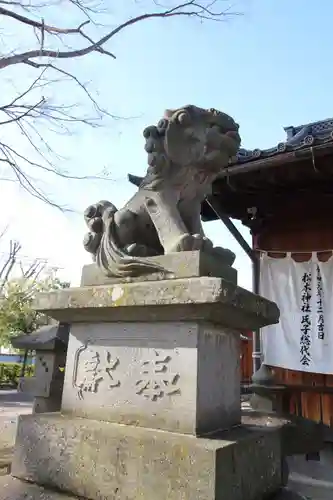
[(214, 203)]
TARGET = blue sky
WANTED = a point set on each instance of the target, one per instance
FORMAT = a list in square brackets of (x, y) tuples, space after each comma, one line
[(269, 68)]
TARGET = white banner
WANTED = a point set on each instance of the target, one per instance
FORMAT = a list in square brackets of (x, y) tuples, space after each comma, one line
[(303, 340)]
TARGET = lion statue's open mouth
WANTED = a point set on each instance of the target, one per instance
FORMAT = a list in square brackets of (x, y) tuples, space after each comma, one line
[(186, 151)]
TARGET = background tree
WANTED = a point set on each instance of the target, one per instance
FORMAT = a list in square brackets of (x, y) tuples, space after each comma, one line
[(16, 313), (38, 52), (19, 283), (8, 262)]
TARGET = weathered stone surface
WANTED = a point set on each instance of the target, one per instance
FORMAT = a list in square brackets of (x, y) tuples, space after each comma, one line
[(46, 405), (14, 489), (264, 404), (298, 435), (287, 494), (108, 461), (187, 299), (46, 338), (47, 374), (182, 377), (7, 441), (9, 411), (178, 265)]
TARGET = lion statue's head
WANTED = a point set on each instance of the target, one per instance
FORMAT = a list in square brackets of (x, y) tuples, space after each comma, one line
[(192, 136)]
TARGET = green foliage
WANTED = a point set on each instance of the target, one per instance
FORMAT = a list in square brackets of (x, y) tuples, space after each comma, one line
[(16, 313), (10, 373)]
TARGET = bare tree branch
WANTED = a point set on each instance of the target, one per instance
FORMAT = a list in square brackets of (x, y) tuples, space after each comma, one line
[(2, 234), (41, 25), (10, 261), (49, 45), (76, 80), (191, 8)]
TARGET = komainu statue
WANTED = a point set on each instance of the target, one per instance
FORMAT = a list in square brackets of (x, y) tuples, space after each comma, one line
[(186, 151)]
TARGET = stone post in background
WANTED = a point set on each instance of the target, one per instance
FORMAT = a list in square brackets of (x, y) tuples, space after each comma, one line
[(50, 345)]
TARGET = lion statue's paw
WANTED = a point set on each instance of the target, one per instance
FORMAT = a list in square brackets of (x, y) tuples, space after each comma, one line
[(227, 255), (138, 250), (188, 242)]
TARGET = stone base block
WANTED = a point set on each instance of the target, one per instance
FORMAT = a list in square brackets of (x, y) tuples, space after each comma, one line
[(177, 265), (101, 460), (14, 489), (173, 376)]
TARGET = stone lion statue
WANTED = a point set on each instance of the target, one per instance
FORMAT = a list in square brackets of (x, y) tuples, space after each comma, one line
[(186, 151)]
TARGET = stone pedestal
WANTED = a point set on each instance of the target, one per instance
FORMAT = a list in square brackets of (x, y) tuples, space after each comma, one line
[(161, 357)]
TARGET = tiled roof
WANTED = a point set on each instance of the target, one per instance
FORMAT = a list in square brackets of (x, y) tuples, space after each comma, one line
[(300, 137)]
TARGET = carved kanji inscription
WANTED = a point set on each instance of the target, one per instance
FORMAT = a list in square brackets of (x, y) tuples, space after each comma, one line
[(157, 380), (92, 367)]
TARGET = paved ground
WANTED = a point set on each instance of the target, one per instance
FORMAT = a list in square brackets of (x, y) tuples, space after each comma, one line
[(12, 404), (313, 480)]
